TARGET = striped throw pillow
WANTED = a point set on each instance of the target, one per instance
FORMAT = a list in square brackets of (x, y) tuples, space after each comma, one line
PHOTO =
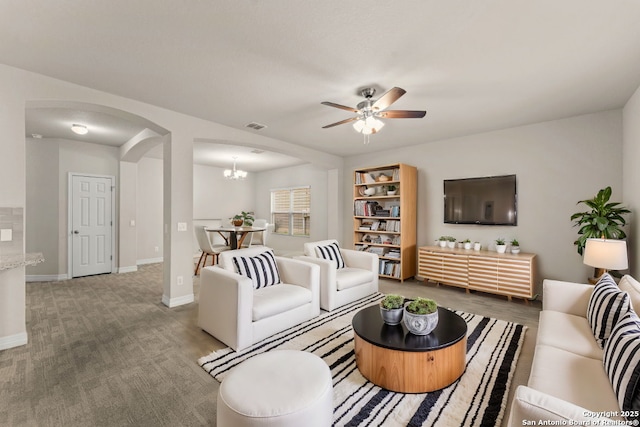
[(606, 307), (332, 253), (622, 361), (261, 269)]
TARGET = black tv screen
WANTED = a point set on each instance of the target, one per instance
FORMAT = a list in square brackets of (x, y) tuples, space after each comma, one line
[(488, 200)]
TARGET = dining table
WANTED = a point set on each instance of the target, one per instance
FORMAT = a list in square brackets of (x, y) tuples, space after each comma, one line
[(234, 236)]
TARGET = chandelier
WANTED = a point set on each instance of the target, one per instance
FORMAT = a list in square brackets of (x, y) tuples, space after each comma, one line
[(234, 173)]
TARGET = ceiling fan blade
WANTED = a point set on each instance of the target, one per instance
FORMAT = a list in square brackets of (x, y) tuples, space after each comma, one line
[(352, 119), (342, 107), (388, 98), (402, 114)]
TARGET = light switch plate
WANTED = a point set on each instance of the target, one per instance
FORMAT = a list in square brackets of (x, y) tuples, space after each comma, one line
[(6, 235), (182, 226)]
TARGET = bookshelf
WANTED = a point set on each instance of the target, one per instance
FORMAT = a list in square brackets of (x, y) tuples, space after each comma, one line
[(385, 223)]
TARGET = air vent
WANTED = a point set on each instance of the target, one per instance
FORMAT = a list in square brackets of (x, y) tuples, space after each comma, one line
[(256, 126), (257, 151)]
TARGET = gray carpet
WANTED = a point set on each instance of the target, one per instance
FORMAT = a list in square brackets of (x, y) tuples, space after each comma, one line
[(104, 351)]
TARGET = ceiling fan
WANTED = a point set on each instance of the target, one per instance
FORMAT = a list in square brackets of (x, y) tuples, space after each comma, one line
[(370, 110)]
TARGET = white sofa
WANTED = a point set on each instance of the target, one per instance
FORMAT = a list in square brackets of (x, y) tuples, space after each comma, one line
[(340, 286), (234, 312), (568, 381)]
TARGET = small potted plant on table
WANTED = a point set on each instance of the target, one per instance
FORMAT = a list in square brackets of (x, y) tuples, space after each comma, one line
[(515, 246), (501, 246), (421, 316), (243, 218), (391, 308)]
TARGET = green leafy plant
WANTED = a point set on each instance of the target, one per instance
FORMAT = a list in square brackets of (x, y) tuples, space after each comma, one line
[(443, 238), (603, 220), (514, 242), (422, 306), (247, 217), (451, 239), (466, 241), (391, 188), (392, 301), (500, 241)]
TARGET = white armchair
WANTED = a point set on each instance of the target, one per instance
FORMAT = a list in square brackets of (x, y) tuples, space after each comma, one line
[(339, 286), (236, 313)]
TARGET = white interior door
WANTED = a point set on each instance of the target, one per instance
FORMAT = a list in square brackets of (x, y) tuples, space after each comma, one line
[(91, 225)]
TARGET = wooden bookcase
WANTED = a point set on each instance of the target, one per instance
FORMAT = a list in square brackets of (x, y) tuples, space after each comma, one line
[(386, 224), (504, 274)]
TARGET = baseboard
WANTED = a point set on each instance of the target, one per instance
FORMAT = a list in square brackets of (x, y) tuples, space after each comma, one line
[(128, 269), (45, 277), (150, 261), (175, 302), (13, 341)]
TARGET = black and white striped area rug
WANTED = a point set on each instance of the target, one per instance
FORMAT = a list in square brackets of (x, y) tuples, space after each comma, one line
[(478, 398)]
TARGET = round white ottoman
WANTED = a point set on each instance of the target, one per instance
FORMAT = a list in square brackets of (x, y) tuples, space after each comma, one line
[(278, 388)]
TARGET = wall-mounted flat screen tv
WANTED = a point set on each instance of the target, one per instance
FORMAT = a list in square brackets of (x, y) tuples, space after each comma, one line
[(488, 200)]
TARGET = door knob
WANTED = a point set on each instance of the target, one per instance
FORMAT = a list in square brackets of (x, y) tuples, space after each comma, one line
[(76, 232)]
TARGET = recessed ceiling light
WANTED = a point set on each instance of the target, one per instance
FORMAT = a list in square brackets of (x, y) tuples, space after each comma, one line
[(79, 129)]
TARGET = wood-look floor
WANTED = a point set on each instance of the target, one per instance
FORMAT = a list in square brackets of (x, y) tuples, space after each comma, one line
[(104, 351)]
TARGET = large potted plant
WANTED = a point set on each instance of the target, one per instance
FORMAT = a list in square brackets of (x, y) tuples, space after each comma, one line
[(421, 316), (604, 219)]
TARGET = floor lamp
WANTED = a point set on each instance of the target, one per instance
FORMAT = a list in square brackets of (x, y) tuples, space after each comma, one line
[(605, 255)]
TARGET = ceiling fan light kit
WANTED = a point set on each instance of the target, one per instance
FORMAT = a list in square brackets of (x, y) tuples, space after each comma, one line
[(369, 111)]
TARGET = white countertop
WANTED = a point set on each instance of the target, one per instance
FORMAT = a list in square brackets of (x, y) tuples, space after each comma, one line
[(8, 262)]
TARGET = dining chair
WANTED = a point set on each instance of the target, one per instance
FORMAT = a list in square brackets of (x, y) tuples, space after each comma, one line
[(257, 238), (207, 248)]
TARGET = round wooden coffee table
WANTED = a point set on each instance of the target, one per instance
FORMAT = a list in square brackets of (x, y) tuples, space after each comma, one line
[(397, 360)]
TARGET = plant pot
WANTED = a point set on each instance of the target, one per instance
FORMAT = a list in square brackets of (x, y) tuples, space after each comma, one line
[(420, 324), (467, 245), (451, 245), (501, 249), (442, 243), (391, 193), (238, 222), (392, 316), (477, 246), (515, 249)]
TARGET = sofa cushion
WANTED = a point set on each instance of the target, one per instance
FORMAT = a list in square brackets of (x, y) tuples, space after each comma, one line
[(350, 277), (632, 287), (331, 252), (622, 361), (261, 269), (574, 378), (567, 332), (607, 305), (277, 299)]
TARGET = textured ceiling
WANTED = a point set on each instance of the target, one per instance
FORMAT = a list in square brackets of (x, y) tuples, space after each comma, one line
[(473, 65)]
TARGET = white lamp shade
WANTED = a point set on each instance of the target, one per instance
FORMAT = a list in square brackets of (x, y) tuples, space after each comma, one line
[(607, 254)]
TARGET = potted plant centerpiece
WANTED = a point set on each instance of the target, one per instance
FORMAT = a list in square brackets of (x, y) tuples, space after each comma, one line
[(515, 246), (442, 241), (466, 243), (243, 218), (391, 308), (421, 316), (391, 190), (501, 246), (451, 242)]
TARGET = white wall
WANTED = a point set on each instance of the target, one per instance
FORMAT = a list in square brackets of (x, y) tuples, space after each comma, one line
[(49, 162), (317, 179), (149, 210), (215, 197), (557, 163), (631, 175)]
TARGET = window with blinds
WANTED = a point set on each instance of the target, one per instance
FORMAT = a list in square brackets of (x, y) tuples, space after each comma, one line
[(291, 211)]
